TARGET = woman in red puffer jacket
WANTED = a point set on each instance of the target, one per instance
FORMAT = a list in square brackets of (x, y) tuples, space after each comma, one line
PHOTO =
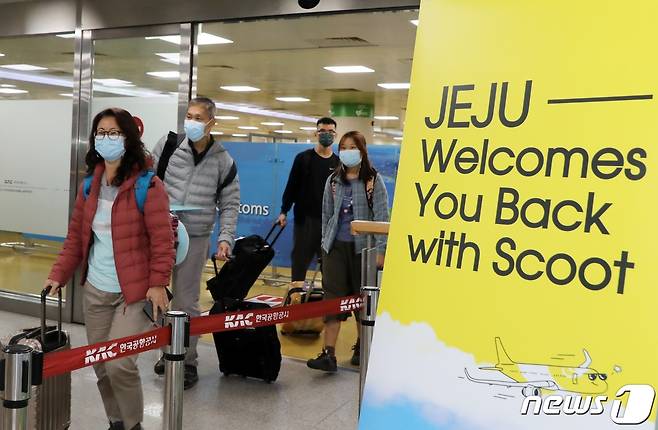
[(126, 253)]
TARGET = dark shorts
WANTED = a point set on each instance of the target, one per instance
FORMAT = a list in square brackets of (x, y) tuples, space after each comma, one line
[(307, 238), (341, 275)]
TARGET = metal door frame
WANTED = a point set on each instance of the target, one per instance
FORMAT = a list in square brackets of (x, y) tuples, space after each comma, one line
[(82, 114)]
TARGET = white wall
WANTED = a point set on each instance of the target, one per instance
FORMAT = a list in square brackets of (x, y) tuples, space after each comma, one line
[(35, 164), (35, 156)]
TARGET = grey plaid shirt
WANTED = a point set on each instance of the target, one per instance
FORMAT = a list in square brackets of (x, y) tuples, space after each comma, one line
[(331, 209)]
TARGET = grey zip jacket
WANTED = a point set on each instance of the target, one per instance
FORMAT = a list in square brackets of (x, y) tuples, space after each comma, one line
[(192, 185)]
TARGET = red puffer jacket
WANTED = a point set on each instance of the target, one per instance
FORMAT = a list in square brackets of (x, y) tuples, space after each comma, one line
[(143, 243)]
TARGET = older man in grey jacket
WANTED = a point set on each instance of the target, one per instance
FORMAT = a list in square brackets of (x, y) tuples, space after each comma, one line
[(198, 172)]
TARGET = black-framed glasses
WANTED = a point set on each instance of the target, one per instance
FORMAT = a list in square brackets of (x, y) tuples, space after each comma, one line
[(112, 134), (327, 131)]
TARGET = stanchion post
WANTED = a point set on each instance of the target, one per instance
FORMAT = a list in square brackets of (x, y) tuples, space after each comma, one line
[(370, 295), (174, 356), (16, 385)]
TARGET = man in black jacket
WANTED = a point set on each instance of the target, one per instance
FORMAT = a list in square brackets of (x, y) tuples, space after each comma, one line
[(305, 188)]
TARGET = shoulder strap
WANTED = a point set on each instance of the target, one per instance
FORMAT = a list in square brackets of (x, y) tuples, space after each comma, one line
[(173, 142), (370, 190), (232, 173), (333, 184), (142, 186), (86, 186)]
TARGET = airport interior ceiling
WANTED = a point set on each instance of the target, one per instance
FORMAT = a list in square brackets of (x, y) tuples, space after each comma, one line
[(283, 68)]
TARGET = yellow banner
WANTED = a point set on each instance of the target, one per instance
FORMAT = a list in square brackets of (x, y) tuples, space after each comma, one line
[(521, 280)]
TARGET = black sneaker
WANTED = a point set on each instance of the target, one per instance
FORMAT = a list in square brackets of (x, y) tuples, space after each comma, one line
[(191, 377), (118, 425), (325, 361), (159, 367), (356, 355)]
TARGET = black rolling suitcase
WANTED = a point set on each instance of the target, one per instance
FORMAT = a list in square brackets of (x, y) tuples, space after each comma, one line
[(251, 255), (250, 352)]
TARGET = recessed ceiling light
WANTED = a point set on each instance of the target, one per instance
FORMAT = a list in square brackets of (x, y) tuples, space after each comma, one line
[(227, 117), (414, 22), (308, 128), (217, 133), (170, 39), (349, 69), (211, 39), (397, 138), (23, 67), (247, 127), (395, 86), (1, 54), (386, 117), (202, 39), (66, 94), (170, 74), (112, 82), (240, 88), (253, 110), (272, 124), (293, 99), (7, 86), (66, 35), (239, 135), (172, 58), (283, 131), (11, 91)]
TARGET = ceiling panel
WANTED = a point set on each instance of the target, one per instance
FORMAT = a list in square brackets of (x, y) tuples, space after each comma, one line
[(282, 57)]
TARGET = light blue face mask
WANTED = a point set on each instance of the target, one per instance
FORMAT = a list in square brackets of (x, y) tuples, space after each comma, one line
[(194, 130), (350, 157), (110, 150)]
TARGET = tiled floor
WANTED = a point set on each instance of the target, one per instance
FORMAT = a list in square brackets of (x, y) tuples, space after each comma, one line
[(301, 398), (25, 272)]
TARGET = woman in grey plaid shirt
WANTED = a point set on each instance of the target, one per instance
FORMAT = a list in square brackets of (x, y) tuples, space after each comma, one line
[(353, 192)]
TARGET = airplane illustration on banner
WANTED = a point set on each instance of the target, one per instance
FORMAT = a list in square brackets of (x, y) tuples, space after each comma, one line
[(532, 378)]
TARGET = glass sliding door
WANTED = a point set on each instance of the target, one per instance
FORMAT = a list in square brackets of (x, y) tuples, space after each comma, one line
[(145, 71), (36, 113)]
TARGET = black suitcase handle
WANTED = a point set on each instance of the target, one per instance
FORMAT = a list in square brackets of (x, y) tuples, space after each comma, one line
[(306, 294), (282, 227), (44, 295), (214, 264)]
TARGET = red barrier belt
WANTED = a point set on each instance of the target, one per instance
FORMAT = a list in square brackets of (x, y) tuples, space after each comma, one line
[(57, 363), (264, 317), (61, 362)]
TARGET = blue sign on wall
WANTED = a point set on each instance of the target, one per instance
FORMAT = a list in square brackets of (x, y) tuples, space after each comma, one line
[(264, 168)]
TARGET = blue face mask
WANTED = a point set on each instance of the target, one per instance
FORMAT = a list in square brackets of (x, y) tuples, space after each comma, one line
[(110, 150), (350, 157), (194, 130)]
